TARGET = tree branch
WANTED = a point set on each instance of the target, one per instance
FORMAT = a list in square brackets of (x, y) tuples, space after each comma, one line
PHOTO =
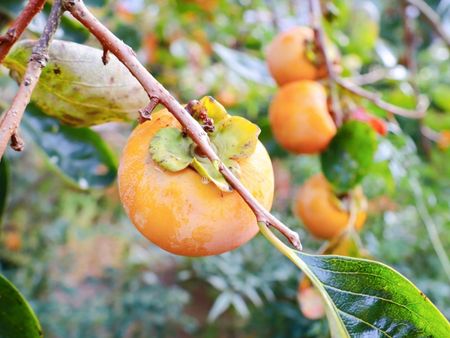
[(433, 19), (19, 25), (315, 13), (38, 60), (419, 112), (154, 89)]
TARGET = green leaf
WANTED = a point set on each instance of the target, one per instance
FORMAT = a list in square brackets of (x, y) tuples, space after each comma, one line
[(365, 298), (440, 94), (235, 137), (349, 155), (129, 34), (77, 88), (96, 3), (384, 303), (363, 29), (209, 172), (11, 7), (4, 185), (17, 318), (171, 149), (73, 30), (79, 153)]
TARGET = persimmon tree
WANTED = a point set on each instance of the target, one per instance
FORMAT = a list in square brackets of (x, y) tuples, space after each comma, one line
[(196, 181)]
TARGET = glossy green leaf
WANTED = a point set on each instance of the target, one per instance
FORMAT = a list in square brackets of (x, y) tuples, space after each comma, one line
[(77, 88), (171, 149), (4, 185), (383, 302), (235, 137), (365, 298), (79, 153), (349, 155), (17, 318)]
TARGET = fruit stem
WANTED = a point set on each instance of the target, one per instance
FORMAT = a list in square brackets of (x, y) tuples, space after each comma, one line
[(199, 112)]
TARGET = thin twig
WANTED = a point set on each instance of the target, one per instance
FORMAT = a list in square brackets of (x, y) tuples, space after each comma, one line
[(433, 19), (145, 113), (409, 38), (38, 60), (430, 134), (154, 89), (431, 227), (370, 77), (419, 112), (316, 17), (19, 25)]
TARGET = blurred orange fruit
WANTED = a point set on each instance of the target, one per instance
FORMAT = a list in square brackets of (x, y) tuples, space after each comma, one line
[(291, 57), (444, 140), (309, 300), (299, 117), (321, 211), (12, 240)]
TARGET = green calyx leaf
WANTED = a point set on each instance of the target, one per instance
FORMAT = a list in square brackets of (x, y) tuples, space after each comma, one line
[(349, 156), (233, 137), (208, 171), (171, 149), (215, 110)]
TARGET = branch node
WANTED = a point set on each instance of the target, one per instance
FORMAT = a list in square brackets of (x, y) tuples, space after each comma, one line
[(9, 36), (17, 142), (105, 56), (145, 114)]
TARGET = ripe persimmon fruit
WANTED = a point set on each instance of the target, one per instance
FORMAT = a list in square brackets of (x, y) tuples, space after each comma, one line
[(299, 117), (290, 56), (322, 212), (178, 211)]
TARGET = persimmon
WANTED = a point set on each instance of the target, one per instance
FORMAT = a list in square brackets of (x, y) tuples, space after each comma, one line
[(309, 300), (12, 240), (290, 56), (179, 211), (322, 212), (299, 117)]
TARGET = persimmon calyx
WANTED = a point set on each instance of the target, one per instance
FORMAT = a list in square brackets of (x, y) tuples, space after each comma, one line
[(232, 137)]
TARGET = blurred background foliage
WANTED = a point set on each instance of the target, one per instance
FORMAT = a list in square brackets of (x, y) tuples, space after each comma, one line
[(68, 246)]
